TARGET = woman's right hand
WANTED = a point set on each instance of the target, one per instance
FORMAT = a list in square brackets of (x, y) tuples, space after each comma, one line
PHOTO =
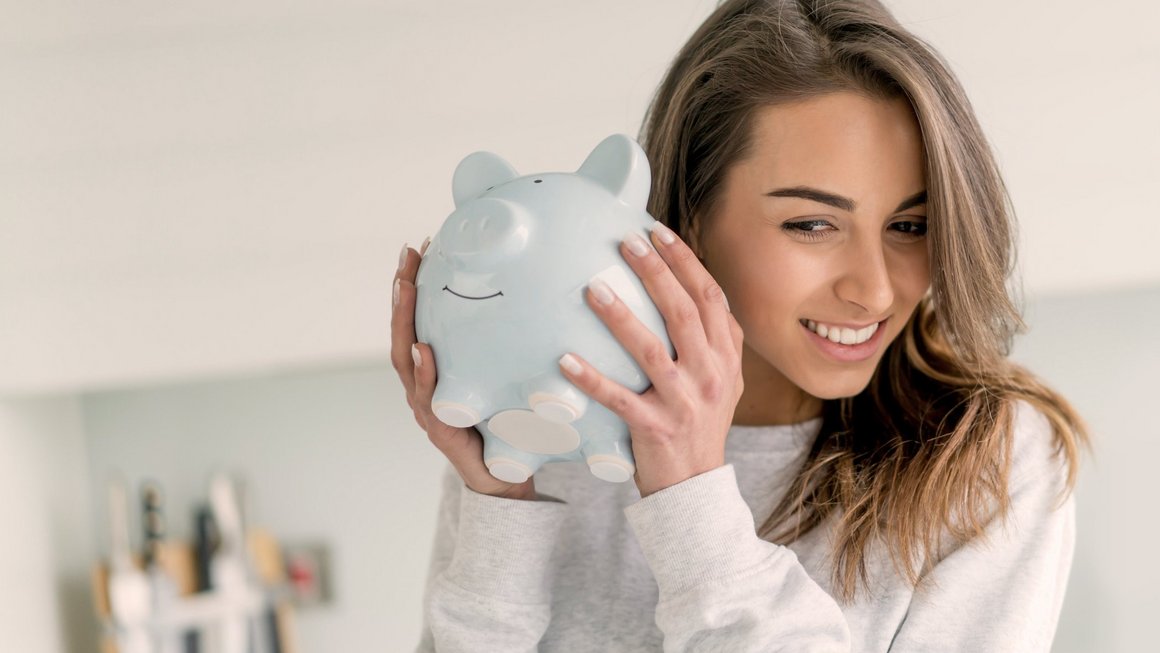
[(415, 363)]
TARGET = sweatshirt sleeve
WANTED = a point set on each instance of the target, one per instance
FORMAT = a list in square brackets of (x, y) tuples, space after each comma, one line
[(1004, 592), (489, 579), (722, 587)]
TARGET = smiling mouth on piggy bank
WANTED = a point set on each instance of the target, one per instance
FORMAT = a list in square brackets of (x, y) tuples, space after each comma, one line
[(467, 297)]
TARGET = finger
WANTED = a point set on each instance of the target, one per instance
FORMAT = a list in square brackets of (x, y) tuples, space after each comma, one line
[(639, 341), (403, 320), (738, 343), (462, 446), (627, 404), (738, 335), (424, 388), (699, 284), (682, 316)]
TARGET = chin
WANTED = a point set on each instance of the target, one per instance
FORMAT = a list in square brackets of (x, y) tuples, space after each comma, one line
[(836, 388)]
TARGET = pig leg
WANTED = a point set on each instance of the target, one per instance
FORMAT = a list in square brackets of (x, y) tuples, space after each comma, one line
[(552, 397), (610, 459), (504, 461), (458, 404)]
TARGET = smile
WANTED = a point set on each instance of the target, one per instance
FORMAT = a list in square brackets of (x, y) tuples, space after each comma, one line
[(466, 297), (848, 353)]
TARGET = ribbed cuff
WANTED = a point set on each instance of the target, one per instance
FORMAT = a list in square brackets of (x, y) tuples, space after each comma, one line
[(697, 531), (504, 546)]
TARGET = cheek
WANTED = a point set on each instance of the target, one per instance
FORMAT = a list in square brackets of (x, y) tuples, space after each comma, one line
[(769, 284), (913, 273)]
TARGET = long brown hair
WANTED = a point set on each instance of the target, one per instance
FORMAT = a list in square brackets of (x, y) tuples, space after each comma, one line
[(925, 448)]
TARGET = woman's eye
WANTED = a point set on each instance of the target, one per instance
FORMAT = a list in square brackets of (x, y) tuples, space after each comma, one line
[(913, 229), (805, 228)]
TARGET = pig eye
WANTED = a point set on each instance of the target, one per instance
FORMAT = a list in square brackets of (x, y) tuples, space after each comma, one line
[(538, 181), (490, 187)]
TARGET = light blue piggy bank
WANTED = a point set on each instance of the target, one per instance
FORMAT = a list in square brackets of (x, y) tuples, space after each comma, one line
[(500, 298)]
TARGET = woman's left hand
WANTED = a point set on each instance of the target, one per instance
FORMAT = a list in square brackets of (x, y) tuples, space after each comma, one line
[(678, 426)]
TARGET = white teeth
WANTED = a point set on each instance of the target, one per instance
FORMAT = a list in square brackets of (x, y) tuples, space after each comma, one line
[(842, 335)]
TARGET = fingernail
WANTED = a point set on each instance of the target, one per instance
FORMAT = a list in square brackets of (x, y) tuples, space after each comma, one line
[(403, 256), (603, 293), (569, 362), (395, 293), (415, 356), (636, 244), (727, 309), (426, 242), (665, 234)]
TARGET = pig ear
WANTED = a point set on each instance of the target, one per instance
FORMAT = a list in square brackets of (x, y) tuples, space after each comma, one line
[(619, 164), (476, 173)]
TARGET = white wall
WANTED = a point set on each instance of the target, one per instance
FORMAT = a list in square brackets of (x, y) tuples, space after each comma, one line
[(195, 190), (45, 528), (188, 190), (1078, 345)]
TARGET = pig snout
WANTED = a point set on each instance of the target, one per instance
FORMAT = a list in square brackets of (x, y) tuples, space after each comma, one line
[(485, 232)]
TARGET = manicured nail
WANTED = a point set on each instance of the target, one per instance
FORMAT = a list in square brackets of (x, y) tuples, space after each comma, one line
[(426, 242), (416, 356), (395, 293), (727, 310), (603, 293), (665, 234), (403, 256), (636, 244), (569, 362)]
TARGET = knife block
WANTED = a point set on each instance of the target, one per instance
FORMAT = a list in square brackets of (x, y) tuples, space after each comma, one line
[(178, 561)]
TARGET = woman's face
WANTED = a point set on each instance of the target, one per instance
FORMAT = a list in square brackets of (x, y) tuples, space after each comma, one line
[(824, 221)]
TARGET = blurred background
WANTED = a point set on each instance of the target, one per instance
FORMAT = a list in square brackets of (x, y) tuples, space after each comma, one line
[(202, 206)]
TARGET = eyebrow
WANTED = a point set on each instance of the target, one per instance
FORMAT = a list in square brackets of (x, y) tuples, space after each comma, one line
[(837, 201)]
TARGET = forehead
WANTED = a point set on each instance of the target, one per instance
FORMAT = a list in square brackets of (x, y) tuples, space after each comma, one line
[(836, 141)]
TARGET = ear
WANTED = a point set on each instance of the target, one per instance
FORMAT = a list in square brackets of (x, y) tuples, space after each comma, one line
[(619, 164), (478, 172)]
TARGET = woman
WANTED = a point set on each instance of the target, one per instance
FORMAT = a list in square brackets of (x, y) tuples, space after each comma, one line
[(863, 470)]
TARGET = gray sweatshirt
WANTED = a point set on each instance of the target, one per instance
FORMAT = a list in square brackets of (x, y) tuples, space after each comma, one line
[(593, 567)]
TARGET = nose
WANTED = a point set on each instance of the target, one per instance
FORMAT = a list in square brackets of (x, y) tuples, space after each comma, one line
[(483, 233), (865, 280)]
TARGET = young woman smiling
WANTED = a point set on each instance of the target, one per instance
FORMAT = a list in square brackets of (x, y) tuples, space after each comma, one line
[(846, 461)]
